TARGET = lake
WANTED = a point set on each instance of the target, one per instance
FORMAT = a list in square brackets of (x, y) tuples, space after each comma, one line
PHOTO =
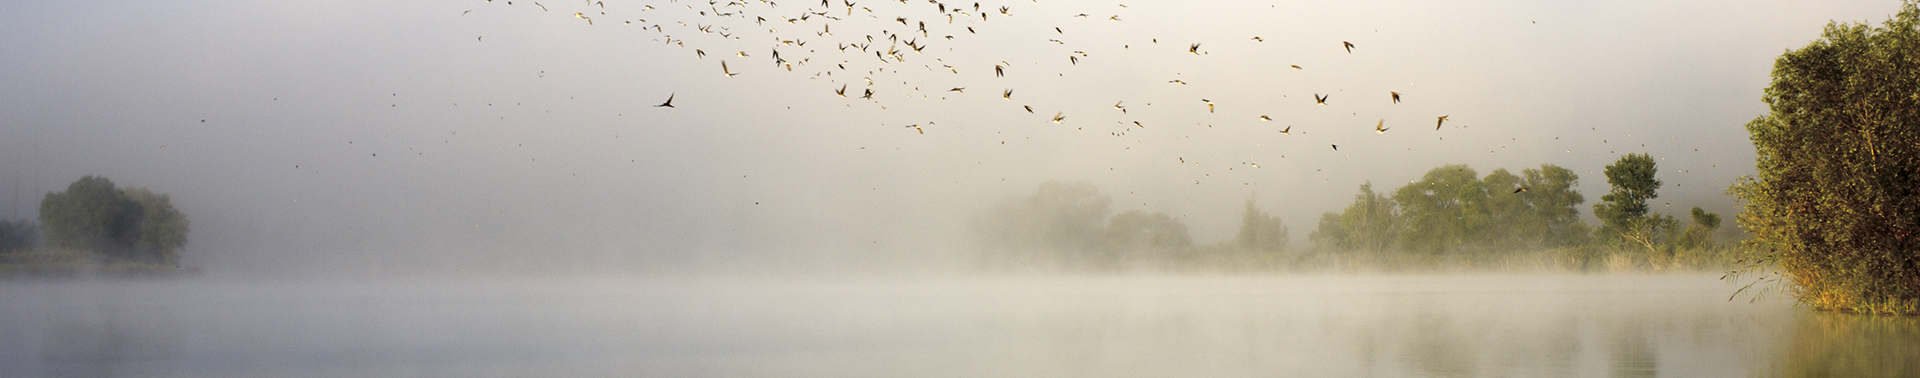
[(941, 326)]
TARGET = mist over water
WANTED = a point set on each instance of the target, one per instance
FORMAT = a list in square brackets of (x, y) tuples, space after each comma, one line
[(959, 326)]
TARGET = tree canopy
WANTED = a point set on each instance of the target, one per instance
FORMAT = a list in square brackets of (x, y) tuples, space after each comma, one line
[(132, 224), (1836, 194)]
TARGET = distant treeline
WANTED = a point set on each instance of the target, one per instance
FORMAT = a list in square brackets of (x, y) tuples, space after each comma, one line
[(1452, 214), (94, 225)]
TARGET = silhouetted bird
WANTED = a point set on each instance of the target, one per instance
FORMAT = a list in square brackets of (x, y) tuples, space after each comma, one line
[(667, 104), (1443, 120), (1349, 46), (1396, 96)]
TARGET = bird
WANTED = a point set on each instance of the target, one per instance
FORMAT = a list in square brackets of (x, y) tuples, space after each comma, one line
[(1073, 59), (1264, 117), (699, 53), (1320, 99), (1443, 120), (724, 70), (1123, 109), (1194, 49), (999, 71), (1258, 39), (1520, 189), (1297, 67), (1288, 130), (958, 89), (1349, 46), (667, 104), (1007, 94), (583, 17), (1058, 116), (1177, 81), (1396, 96), (1381, 130), (916, 127), (1209, 104), (869, 94), (1336, 147), (1029, 109), (842, 91)]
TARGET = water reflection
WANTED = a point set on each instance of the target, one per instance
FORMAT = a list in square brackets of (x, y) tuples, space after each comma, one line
[(108, 341), (1849, 345)]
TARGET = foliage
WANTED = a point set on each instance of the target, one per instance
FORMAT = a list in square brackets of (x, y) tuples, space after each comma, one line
[(1555, 204), (1623, 212), (1068, 222), (1370, 224), (1836, 195), (1446, 208), (18, 235), (1700, 233), (131, 224), (1260, 231)]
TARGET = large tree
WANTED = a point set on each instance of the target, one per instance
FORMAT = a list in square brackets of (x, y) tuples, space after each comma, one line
[(131, 224), (1446, 208), (1836, 195), (1624, 214), (1555, 201), (1260, 231)]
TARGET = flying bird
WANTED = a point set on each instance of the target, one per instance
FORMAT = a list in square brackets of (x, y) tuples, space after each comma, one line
[(916, 127), (1520, 189), (1321, 99), (1058, 116), (724, 70), (583, 17), (1029, 109), (1007, 94), (1209, 104), (1288, 130), (958, 89), (1396, 96), (1382, 130), (1349, 46), (1194, 49), (669, 102), (1336, 147), (1296, 66), (999, 71), (869, 94), (842, 91), (1264, 117), (1443, 120), (1258, 39), (699, 53)]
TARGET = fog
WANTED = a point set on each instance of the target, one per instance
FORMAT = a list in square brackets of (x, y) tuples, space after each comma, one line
[(360, 137), (1392, 326)]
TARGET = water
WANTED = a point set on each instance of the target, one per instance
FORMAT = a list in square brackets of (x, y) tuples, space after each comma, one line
[(1087, 326)]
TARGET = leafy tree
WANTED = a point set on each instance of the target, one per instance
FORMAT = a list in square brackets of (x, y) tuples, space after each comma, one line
[(18, 235), (1836, 196), (1446, 208), (1134, 231), (1057, 217), (1259, 231), (1623, 212), (92, 215), (1371, 223), (1552, 195), (1330, 235), (1700, 233), (129, 224)]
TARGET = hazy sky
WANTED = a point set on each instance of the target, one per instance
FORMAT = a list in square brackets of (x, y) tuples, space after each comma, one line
[(376, 134)]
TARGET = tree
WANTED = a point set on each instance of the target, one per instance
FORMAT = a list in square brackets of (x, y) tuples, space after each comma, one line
[(1135, 232), (1623, 212), (1551, 194), (1446, 208), (1259, 231), (92, 215), (1330, 235), (1700, 233), (1836, 194), (18, 235), (132, 224), (1371, 223), (1057, 217)]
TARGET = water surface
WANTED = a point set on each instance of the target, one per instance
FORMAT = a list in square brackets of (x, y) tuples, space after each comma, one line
[(1079, 326)]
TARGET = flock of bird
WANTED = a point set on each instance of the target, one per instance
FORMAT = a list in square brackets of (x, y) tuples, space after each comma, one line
[(895, 44)]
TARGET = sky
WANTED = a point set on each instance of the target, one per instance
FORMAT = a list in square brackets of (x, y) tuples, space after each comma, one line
[(475, 135)]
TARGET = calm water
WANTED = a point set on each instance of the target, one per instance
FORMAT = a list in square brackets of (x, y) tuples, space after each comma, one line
[(1129, 326)]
